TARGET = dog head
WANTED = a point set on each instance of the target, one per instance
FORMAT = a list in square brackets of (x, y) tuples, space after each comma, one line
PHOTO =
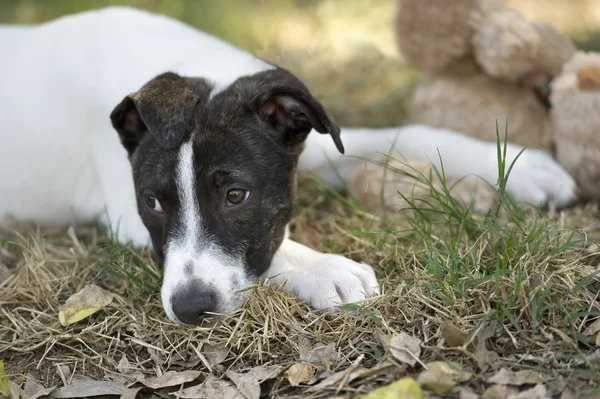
[(214, 176)]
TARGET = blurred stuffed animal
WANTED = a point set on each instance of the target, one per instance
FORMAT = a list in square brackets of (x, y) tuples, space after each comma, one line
[(575, 121), (478, 63)]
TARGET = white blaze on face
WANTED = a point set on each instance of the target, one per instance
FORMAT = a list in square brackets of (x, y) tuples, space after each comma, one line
[(192, 254)]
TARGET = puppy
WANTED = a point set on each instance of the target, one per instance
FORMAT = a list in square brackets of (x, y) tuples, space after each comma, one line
[(204, 158)]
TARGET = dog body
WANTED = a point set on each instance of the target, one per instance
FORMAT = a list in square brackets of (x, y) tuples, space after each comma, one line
[(212, 138)]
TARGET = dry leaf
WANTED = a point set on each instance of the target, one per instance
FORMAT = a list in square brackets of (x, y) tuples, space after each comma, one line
[(321, 355), (42, 393), (171, 378), (130, 393), (499, 392), (32, 386), (594, 357), (263, 373), (34, 390), (214, 355), (83, 304), (484, 356), (83, 389), (211, 388), (405, 388), (405, 348), (592, 329), (7, 387), (157, 357), (246, 384), (126, 369), (441, 377), (507, 377), (187, 361), (537, 392), (300, 373), (453, 337), (467, 393), (4, 381)]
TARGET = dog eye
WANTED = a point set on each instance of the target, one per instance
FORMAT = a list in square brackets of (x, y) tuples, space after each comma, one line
[(153, 204), (237, 196)]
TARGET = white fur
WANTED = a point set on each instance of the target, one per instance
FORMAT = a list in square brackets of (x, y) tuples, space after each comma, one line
[(61, 161)]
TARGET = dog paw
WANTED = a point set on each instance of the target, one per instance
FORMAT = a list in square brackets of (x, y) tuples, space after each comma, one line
[(331, 281), (538, 179)]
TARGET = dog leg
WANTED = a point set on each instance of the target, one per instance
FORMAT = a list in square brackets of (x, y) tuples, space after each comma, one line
[(536, 177), (114, 172), (323, 280)]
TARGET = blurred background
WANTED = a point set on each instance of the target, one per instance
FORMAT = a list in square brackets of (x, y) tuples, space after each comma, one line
[(344, 50)]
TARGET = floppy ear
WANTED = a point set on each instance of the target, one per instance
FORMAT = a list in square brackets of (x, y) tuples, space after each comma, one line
[(289, 108), (162, 107)]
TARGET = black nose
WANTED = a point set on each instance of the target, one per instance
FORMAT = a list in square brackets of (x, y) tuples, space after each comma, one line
[(193, 302)]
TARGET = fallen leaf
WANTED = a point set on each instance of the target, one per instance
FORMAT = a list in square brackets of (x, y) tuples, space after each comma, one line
[(246, 384), (263, 373), (300, 373), (7, 387), (83, 304), (84, 389), (594, 357), (453, 337), (537, 392), (171, 378), (592, 329), (321, 355), (441, 377), (518, 378), (467, 393), (32, 386), (405, 348), (130, 393), (158, 358), (42, 393), (214, 355), (483, 355), (34, 390), (405, 388), (211, 388), (499, 392), (125, 368), (186, 361), (4, 381), (568, 393)]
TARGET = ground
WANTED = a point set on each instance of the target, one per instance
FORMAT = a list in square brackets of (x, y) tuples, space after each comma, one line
[(515, 289)]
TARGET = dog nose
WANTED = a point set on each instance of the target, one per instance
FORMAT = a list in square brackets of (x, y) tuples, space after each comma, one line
[(193, 303)]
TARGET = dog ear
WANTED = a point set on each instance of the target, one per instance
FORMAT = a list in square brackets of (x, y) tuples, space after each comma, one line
[(163, 107), (289, 108)]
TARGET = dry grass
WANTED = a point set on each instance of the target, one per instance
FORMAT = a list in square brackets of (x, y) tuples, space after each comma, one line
[(530, 272), (541, 295)]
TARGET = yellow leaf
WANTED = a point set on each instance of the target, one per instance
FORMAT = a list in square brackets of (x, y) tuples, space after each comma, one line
[(4, 381), (84, 304), (74, 314), (406, 388)]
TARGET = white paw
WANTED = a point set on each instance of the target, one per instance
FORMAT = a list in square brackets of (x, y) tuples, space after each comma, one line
[(330, 281), (538, 179)]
